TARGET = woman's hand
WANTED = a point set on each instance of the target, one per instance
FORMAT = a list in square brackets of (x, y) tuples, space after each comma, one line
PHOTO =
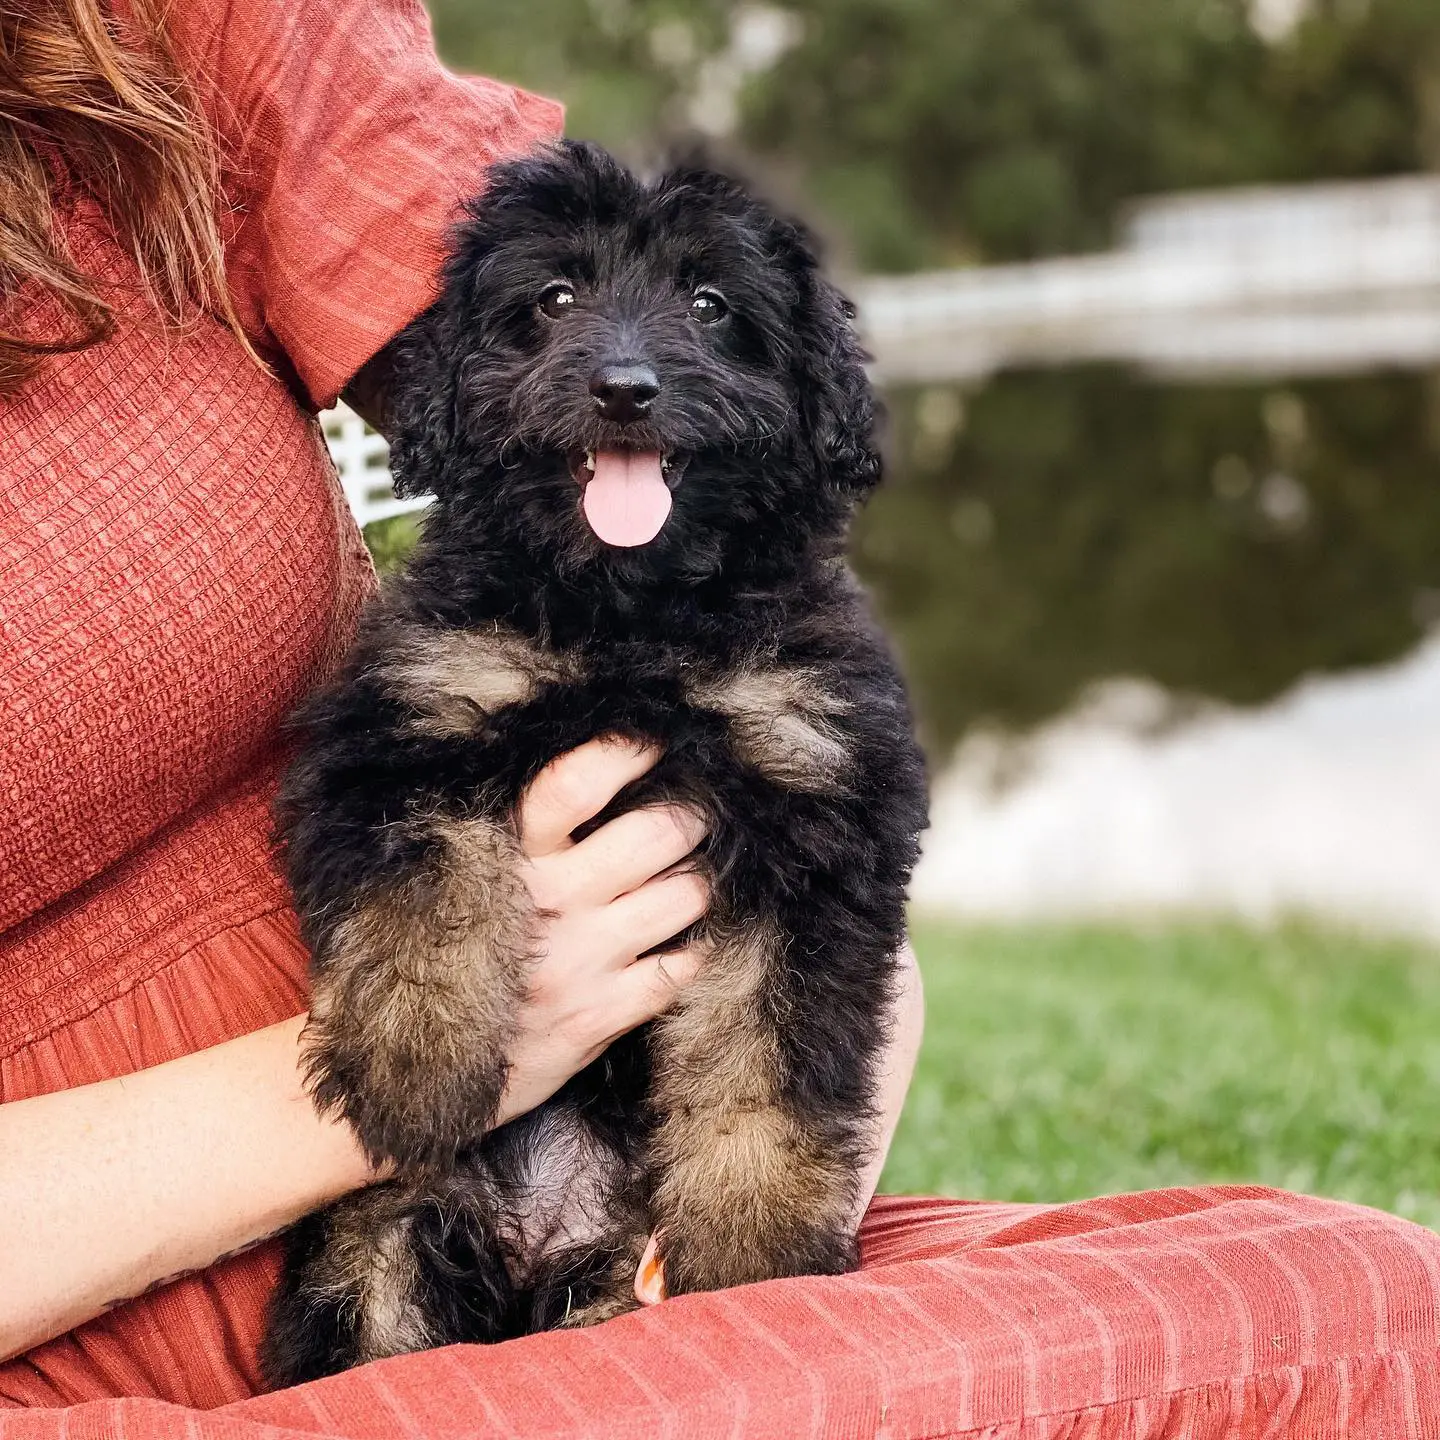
[(604, 900)]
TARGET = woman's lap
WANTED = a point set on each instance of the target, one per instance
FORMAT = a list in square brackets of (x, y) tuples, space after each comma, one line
[(1197, 1313)]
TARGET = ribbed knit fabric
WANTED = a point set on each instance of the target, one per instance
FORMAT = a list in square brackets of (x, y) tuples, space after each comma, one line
[(176, 570)]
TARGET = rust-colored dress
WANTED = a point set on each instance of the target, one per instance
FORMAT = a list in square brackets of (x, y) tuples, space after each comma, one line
[(176, 569)]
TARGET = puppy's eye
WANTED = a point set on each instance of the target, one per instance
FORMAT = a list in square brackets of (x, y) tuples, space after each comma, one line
[(708, 306), (557, 301)]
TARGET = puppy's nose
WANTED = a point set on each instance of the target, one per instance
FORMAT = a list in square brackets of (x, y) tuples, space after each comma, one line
[(623, 392)]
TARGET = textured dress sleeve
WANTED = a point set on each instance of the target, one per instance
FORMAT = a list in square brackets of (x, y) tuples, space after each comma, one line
[(347, 147)]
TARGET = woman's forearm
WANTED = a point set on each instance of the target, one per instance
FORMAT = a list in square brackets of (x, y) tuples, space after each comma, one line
[(110, 1189), (897, 1065)]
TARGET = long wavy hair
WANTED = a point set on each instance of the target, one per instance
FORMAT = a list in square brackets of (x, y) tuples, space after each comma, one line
[(86, 111)]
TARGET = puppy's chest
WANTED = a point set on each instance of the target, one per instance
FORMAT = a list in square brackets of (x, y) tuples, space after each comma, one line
[(777, 716)]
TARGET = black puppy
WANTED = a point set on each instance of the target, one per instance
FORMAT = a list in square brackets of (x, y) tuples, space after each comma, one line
[(644, 417)]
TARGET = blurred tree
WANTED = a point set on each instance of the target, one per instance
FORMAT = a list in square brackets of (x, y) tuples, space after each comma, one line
[(1010, 128), (622, 67), (933, 132), (928, 132), (1358, 85)]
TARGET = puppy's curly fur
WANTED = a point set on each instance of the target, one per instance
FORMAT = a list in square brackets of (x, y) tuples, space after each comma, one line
[(736, 1126)]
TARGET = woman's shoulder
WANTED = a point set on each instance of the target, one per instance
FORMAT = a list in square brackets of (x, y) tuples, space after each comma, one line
[(347, 148)]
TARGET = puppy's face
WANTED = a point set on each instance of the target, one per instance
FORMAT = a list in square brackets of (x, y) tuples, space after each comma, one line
[(652, 380)]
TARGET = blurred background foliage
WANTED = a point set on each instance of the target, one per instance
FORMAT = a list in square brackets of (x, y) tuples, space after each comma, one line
[(1053, 528), (925, 132)]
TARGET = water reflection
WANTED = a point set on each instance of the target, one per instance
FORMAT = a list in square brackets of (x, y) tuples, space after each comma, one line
[(1060, 527)]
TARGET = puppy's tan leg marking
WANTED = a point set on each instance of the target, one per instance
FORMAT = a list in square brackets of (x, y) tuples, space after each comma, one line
[(741, 1189), (416, 993), (741, 1192), (783, 722), (455, 678), (368, 1268)]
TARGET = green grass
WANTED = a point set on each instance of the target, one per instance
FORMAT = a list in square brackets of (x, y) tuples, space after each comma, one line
[(1063, 1062), (390, 541)]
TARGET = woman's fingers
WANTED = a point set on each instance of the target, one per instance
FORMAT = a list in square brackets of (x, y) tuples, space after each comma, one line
[(575, 788), (631, 849), (649, 986), (657, 911)]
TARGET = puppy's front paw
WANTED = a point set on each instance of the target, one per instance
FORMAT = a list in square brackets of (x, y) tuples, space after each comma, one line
[(597, 1311), (415, 997), (414, 1106), (698, 1259)]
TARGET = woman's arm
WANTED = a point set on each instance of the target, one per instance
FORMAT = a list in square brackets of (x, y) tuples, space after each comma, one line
[(305, 99), (110, 1189), (897, 1065)]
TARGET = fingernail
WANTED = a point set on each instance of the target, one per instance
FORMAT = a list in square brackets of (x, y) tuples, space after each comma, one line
[(650, 1278)]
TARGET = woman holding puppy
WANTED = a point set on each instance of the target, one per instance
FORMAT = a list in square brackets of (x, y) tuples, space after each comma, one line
[(212, 219)]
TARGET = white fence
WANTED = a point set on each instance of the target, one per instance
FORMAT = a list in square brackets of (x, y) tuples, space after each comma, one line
[(1309, 279), (362, 457)]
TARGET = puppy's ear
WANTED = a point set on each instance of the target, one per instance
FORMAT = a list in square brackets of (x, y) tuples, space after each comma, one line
[(837, 404), (423, 399)]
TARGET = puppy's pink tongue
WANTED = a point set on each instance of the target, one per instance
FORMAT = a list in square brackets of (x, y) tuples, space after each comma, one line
[(627, 500)]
